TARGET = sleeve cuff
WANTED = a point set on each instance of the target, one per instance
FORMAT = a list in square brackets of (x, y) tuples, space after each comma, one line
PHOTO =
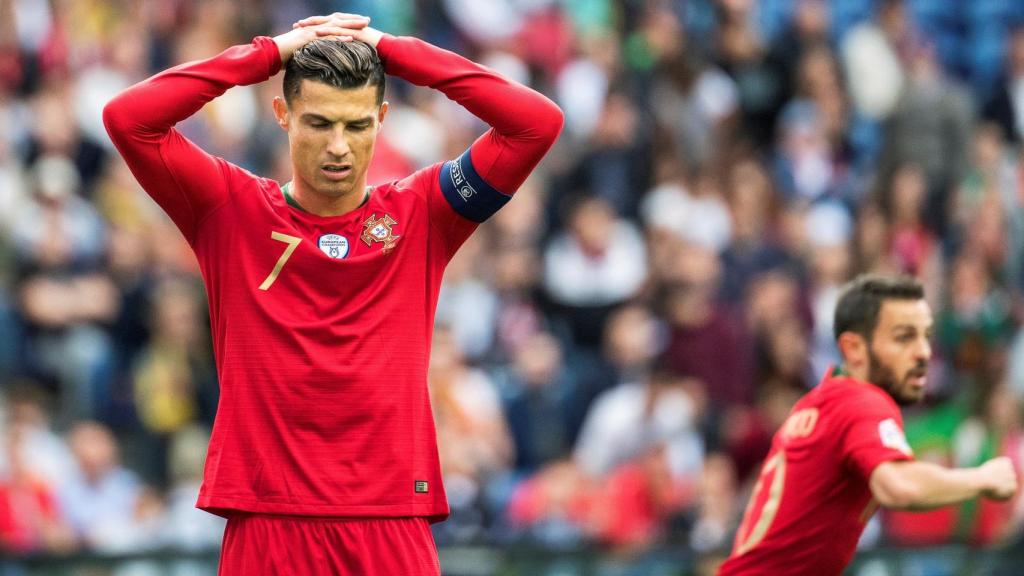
[(271, 53), (384, 48)]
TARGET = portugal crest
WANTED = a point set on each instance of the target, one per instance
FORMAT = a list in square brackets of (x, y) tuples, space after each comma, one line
[(379, 230)]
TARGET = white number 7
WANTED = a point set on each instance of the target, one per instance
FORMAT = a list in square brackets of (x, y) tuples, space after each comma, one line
[(293, 243)]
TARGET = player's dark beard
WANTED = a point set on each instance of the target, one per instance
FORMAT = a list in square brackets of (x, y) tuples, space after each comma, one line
[(885, 378)]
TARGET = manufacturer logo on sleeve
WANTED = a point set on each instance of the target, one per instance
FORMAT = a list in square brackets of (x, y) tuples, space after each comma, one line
[(334, 245), (892, 436), (379, 230)]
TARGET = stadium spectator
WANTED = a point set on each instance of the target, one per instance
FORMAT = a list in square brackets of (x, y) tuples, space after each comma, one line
[(761, 80), (474, 444), (174, 384), (706, 339), (930, 128), (600, 262), (555, 506), (44, 451), (29, 520), (717, 501), (634, 419), (467, 305), (66, 295), (696, 214), (101, 496), (1006, 108), (541, 398)]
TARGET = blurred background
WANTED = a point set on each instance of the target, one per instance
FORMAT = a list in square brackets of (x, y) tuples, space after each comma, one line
[(615, 348)]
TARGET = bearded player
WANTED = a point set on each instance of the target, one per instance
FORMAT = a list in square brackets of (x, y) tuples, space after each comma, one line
[(842, 452), (322, 291)]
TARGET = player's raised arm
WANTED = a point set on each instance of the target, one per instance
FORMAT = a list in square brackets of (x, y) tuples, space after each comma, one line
[(914, 485), (524, 123), (184, 180)]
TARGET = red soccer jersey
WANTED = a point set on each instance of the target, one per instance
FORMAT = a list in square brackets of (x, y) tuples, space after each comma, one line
[(322, 325), (812, 500)]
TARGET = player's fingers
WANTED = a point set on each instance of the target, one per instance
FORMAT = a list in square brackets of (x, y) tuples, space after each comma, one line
[(354, 19), (344, 34), (347, 24)]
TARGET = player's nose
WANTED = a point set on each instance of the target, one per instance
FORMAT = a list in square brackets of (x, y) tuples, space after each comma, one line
[(338, 145), (923, 350)]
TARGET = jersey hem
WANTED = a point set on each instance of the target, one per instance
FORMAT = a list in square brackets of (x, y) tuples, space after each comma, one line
[(222, 506)]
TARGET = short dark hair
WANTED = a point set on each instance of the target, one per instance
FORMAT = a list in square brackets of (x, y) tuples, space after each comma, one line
[(862, 298), (335, 63)]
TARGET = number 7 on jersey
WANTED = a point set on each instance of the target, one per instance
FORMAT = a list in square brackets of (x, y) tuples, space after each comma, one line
[(293, 243)]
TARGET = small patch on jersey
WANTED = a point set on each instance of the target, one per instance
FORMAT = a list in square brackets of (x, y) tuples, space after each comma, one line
[(892, 436), (380, 230), (422, 487), (334, 245)]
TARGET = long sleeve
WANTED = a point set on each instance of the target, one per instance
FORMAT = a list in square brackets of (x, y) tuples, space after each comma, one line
[(524, 123), (184, 180)]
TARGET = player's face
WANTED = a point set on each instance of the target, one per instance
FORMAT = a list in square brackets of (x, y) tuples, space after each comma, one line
[(331, 135), (899, 349)]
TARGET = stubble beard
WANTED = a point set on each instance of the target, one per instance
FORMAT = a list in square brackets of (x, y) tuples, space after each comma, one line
[(885, 378)]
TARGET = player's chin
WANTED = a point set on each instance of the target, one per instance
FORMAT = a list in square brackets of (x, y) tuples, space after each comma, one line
[(911, 394), (334, 189)]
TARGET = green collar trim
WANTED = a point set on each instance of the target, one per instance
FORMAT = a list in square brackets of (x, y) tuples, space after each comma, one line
[(286, 190)]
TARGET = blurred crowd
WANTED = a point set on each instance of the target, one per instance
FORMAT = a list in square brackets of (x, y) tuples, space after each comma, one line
[(615, 347)]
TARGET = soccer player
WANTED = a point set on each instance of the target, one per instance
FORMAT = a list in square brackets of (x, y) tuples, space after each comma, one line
[(842, 453), (322, 291)]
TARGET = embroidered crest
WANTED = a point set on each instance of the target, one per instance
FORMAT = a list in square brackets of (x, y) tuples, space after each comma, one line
[(334, 245), (379, 230)]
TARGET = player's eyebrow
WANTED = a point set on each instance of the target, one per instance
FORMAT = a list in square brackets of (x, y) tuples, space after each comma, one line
[(313, 117), (898, 328), (316, 117)]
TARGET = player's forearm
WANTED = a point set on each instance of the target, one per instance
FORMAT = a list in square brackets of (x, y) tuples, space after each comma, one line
[(152, 107), (914, 485), (525, 123), (511, 108)]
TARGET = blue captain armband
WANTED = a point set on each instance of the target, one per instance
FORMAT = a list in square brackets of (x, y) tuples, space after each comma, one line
[(467, 193)]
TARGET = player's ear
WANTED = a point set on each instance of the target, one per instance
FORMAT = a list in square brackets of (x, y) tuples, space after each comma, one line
[(281, 112), (382, 112), (853, 348)]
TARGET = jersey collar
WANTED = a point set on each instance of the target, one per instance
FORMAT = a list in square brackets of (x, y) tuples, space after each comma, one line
[(286, 190)]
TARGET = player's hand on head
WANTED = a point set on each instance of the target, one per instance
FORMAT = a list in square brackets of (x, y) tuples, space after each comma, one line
[(342, 26), (1001, 477)]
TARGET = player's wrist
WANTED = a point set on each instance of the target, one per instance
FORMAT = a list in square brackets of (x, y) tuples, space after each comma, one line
[(371, 36), (288, 43), (982, 484)]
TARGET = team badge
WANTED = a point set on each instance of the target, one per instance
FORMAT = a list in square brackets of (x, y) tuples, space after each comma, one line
[(379, 230), (334, 245)]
